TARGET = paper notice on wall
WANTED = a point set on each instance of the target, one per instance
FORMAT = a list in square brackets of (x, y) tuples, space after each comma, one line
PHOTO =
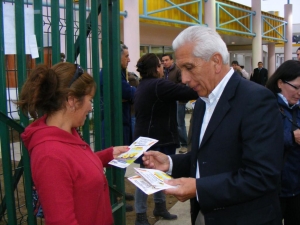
[(10, 28), (33, 46)]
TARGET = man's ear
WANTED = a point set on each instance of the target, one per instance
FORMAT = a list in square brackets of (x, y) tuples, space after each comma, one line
[(217, 61)]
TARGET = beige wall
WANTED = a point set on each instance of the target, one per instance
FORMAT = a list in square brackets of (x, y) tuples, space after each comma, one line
[(155, 35)]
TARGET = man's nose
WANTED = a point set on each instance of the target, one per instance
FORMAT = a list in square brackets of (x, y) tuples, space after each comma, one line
[(184, 78)]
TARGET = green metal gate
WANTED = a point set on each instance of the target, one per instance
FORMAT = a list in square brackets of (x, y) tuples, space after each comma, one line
[(72, 28)]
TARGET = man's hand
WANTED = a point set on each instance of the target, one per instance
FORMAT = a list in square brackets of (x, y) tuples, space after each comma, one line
[(185, 190), (119, 150), (239, 68), (156, 160)]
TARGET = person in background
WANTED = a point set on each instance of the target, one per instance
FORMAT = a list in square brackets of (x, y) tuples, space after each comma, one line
[(62, 57), (298, 54), (172, 73), (260, 75), (285, 84), (240, 70), (133, 81), (127, 101), (232, 173), (155, 111), (67, 174)]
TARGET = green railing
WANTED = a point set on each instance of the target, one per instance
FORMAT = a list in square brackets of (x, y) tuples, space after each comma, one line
[(71, 28)]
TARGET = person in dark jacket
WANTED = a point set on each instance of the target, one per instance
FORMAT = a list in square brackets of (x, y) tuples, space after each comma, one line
[(155, 111), (285, 84), (232, 173), (127, 100), (260, 75), (173, 73)]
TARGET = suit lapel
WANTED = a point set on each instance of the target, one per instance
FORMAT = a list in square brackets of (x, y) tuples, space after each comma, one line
[(222, 107), (198, 114)]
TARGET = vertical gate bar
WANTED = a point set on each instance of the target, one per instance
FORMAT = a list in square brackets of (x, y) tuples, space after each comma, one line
[(70, 31), (6, 159), (22, 76), (119, 214), (55, 35), (116, 73), (95, 69), (83, 57), (107, 100), (106, 73), (38, 28)]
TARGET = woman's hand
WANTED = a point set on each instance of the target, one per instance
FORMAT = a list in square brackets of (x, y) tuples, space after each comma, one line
[(118, 150), (297, 136)]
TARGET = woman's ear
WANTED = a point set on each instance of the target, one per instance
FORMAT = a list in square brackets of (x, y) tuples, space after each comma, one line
[(70, 101), (279, 83)]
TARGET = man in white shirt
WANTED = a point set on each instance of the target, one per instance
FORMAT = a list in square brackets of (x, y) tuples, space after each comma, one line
[(240, 69), (232, 173)]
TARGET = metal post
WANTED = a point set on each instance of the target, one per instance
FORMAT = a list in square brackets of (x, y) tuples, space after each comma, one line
[(70, 32), (55, 34), (6, 159), (106, 73), (83, 57), (95, 69)]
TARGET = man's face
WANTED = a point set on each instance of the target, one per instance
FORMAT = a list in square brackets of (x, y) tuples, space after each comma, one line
[(196, 72), (125, 59), (260, 65), (298, 54), (166, 61), (234, 66)]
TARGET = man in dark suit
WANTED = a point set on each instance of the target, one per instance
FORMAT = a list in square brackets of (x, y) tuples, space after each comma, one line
[(260, 75), (232, 173)]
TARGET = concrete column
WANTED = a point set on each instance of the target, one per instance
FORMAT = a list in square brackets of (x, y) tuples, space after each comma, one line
[(271, 58), (132, 32), (210, 13), (248, 64), (257, 40), (288, 17)]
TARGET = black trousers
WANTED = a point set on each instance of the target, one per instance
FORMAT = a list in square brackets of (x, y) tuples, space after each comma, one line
[(290, 208)]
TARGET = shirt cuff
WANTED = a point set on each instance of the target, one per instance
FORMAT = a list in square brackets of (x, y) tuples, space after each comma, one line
[(170, 167)]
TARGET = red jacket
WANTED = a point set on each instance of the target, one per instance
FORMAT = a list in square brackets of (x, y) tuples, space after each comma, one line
[(68, 176)]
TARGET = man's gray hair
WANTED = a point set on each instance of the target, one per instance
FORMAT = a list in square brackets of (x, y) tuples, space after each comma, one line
[(206, 42), (122, 47)]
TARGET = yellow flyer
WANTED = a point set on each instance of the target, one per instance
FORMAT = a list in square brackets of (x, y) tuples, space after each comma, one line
[(136, 149)]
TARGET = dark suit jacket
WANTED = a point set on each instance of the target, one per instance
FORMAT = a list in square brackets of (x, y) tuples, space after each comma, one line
[(260, 77), (240, 157)]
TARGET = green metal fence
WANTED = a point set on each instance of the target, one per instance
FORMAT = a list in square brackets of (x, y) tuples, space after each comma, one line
[(61, 26)]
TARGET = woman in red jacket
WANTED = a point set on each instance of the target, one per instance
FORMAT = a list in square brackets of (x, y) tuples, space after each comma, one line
[(68, 175)]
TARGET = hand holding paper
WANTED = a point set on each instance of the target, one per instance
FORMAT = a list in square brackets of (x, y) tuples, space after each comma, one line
[(156, 160), (185, 188), (136, 149), (150, 181)]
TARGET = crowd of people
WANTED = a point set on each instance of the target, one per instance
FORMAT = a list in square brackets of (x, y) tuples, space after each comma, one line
[(243, 166)]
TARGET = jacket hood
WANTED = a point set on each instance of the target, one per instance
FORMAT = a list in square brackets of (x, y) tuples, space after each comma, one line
[(39, 132)]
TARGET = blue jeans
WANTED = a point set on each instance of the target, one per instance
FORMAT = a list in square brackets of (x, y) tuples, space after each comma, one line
[(132, 125), (159, 197), (181, 124)]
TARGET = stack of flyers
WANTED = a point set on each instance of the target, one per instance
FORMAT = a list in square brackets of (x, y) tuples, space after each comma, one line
[(150, 180), (136, 149)]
